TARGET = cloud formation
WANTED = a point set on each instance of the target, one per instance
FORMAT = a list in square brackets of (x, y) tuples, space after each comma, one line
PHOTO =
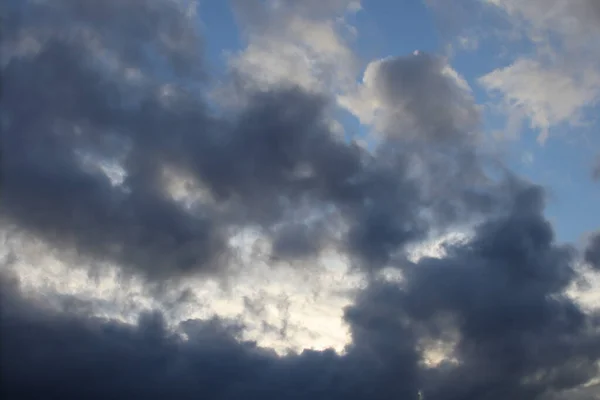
[(418, 95), (554, 84), (113, 155), (269, 164), (306, 44), (493, 304)]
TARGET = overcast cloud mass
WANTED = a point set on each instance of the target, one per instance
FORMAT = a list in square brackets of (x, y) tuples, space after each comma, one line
[(173, 232)]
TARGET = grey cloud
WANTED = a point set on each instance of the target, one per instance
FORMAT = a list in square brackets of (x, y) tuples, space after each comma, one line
[(592, 252), (73, 106), (418, 86), (432, 115), (259, 163), (48, 190), (587, 11), (73, 356), (498, 296), (498, 302), (130, 33), (296, 241), (99, 360)]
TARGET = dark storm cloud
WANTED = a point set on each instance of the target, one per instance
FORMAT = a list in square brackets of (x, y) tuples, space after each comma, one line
[(60, 105), (592, 252), (296, 241), (498, 296), (115, 81), (499, 301), (71, 356), (248, 162), (82, 95)]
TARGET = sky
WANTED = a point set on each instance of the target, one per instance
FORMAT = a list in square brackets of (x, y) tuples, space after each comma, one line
[(332, 199)]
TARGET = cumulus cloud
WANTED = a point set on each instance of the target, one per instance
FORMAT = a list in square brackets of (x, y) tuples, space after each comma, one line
[(113, 156), (418, 95), (420, 103)]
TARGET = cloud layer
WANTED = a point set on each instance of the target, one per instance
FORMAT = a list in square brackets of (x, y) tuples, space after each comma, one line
[(493, 305), (269, 164), (112, 155)]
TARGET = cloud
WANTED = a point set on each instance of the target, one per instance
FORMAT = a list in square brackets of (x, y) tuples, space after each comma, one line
[(494, 302), (110, 30), (306, 44), (419, 103), (559, 16), (112, 155), (283, 307), (418, 95), (268, 164), (547, 96), (55, 186), (592, 252), (560, 80), (495, 305)]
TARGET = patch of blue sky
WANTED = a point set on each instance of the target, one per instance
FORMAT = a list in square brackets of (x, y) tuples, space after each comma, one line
[(221, 32), (563, 166), (395, 28)]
